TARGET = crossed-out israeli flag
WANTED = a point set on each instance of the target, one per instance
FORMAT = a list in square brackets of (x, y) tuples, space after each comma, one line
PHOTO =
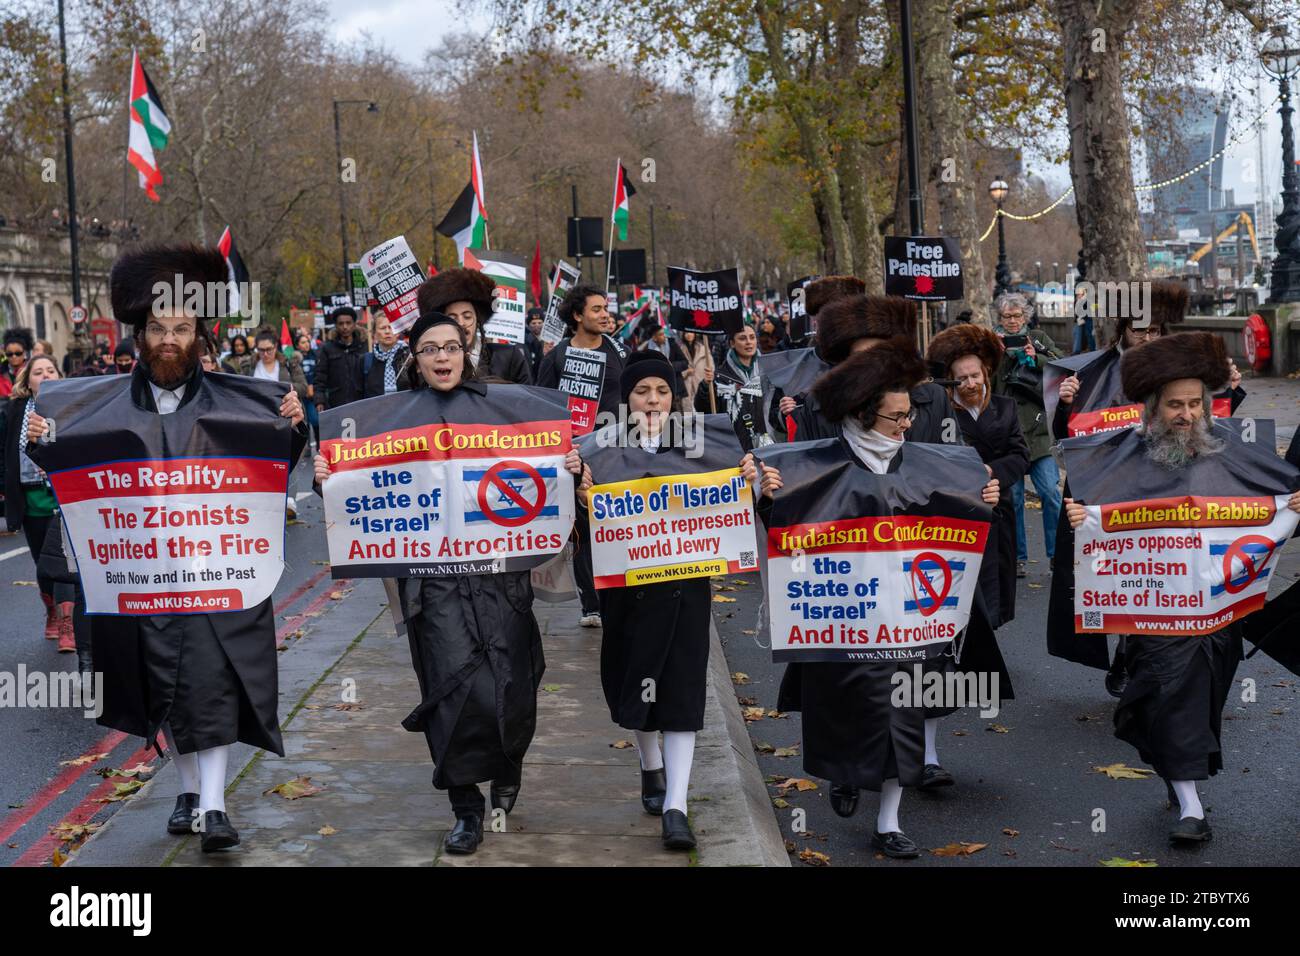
[(933, 572), (507, 490), (1257, 551)]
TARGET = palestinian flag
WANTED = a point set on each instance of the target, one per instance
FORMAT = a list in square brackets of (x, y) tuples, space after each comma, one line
[(235, 269), (466, 222), (150, 127), (623, 191)]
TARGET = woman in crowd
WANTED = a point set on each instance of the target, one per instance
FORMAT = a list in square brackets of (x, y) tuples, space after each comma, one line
[(475, 644), (239, 361), (29, 501), (695, 363), (307, 357), (271, 364), (853, 735)]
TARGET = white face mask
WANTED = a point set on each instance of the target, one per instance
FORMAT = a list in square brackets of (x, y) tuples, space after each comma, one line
[(875, 450)]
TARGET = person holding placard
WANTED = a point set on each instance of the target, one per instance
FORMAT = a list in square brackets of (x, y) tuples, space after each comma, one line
[(466, 296), (853, 734), (475, 644), (1172, 706)]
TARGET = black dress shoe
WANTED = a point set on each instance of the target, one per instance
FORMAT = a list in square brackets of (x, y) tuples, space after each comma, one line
[(933, 777), (504, 796), (182, 819), (218, 834), (654, 787), (896, 845), (1117, 679), (677, 831), (1191, 830), (465, 836), (844, 799)]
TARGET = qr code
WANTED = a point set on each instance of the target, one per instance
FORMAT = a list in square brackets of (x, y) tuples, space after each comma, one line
[(1093, 620), (747, 559)]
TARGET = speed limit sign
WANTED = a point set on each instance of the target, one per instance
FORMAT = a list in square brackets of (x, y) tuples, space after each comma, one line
[(77, 314)]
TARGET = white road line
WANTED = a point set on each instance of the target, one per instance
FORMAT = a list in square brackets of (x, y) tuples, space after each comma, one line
[(10, 554)]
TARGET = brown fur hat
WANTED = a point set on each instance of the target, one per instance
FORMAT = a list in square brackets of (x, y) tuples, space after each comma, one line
[(134, 275), (820, 292), (1146, 369), (1167, 306), (855, 317), (965, 339), (860, 380), (457, 285)]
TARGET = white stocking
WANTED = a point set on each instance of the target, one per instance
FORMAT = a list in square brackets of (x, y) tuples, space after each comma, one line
[(212, 778), (679, 751), (647, 749), (1188, 799), (931, 731), (891, 795), (187, 764)]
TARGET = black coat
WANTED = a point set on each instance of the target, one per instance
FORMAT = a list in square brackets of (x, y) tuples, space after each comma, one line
[(738, 399), (373, 384), (477, 653), (213, 677), (996, 435), (506, 362), (338, 372), (548, 375), (1172, 708)]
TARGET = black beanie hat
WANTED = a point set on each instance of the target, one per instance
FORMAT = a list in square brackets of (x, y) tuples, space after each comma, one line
[(427, 321), (648, 364)]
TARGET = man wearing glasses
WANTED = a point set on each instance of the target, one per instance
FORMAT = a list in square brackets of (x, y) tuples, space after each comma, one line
[(18, 348)]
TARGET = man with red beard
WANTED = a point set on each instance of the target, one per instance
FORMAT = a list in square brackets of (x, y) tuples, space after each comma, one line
[(204, 680)]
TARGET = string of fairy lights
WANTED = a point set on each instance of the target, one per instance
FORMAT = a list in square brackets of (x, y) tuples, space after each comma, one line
[(1231, 144)]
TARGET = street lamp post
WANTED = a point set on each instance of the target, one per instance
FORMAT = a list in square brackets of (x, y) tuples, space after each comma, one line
[(1039, 267), (371, 107), (998, 190), (1056, 272), (1280, 56)]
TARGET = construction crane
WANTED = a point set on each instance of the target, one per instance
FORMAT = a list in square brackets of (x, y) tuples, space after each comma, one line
[(1242, 219)]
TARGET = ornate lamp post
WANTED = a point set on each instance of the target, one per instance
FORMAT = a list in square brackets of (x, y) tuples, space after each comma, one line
[(1280, 56), (1002, 276), (371, 107)]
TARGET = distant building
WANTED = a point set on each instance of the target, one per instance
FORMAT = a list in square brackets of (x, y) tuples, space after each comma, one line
[(1201, 132), (36, 286)]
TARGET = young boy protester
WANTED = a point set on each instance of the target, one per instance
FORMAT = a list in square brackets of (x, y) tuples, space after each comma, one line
[(466, 296)]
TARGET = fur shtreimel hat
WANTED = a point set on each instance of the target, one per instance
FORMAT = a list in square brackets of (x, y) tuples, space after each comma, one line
[(821, 292), (1146, 369), (135, 274), (863, 377), (855, 317), (1167, 306), (951, 344), (457, 285)]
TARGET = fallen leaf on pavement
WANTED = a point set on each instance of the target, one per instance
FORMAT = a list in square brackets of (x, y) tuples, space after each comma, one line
[(780, 804), (327, 830), (1010, 832), (777, 714), (959, 733), (786, 752), (83, 760), (813, 858), (1120, 861), (723, 599), (550, 688), (121, 791), (622, 745), (752, 713), (746, 630), (338, 595), (764, 748), (740, 678), (295, 788), (1118, 771), (959, 849), (25, 584), (747, 701), (73, 831), (799, 783), (350, 705), (59, 858), (998, 729)]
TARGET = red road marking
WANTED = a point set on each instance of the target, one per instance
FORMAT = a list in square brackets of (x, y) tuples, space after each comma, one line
[(70, 775), (293, 620)]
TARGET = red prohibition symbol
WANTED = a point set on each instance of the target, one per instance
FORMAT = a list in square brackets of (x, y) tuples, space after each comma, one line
[(492, 481)]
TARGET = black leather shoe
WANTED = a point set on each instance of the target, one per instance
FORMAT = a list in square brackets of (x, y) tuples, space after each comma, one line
[(654, 787), (504, 796), (677, 831), (182, 819), (1117, 679), (218, 834), (844, 799), (896, 845), (933, 777), (465, 836), (1191, 830)]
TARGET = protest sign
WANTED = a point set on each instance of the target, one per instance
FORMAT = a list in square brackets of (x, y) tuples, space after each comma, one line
[(564, 278), (509, 299), (864, 567), (170, 514), (1175, 551), (359, 288), (393, 275), (680, 512), (433, 483), (799, 327), (926, 268), (706, 302), (581, 378)]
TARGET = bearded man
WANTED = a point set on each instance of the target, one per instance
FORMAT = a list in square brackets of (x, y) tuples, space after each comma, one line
[(204, 680), (1171, 709)]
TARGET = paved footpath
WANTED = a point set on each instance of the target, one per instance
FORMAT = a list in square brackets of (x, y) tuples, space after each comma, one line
[(580, 802)]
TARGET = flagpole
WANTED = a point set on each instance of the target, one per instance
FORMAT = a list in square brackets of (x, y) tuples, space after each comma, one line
[(609, 263), (80, 346), (126, 166)]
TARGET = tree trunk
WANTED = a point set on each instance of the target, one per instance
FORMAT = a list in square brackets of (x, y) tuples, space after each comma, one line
[(943, 123), (851, 163), (1100, 163), (813, 141)]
